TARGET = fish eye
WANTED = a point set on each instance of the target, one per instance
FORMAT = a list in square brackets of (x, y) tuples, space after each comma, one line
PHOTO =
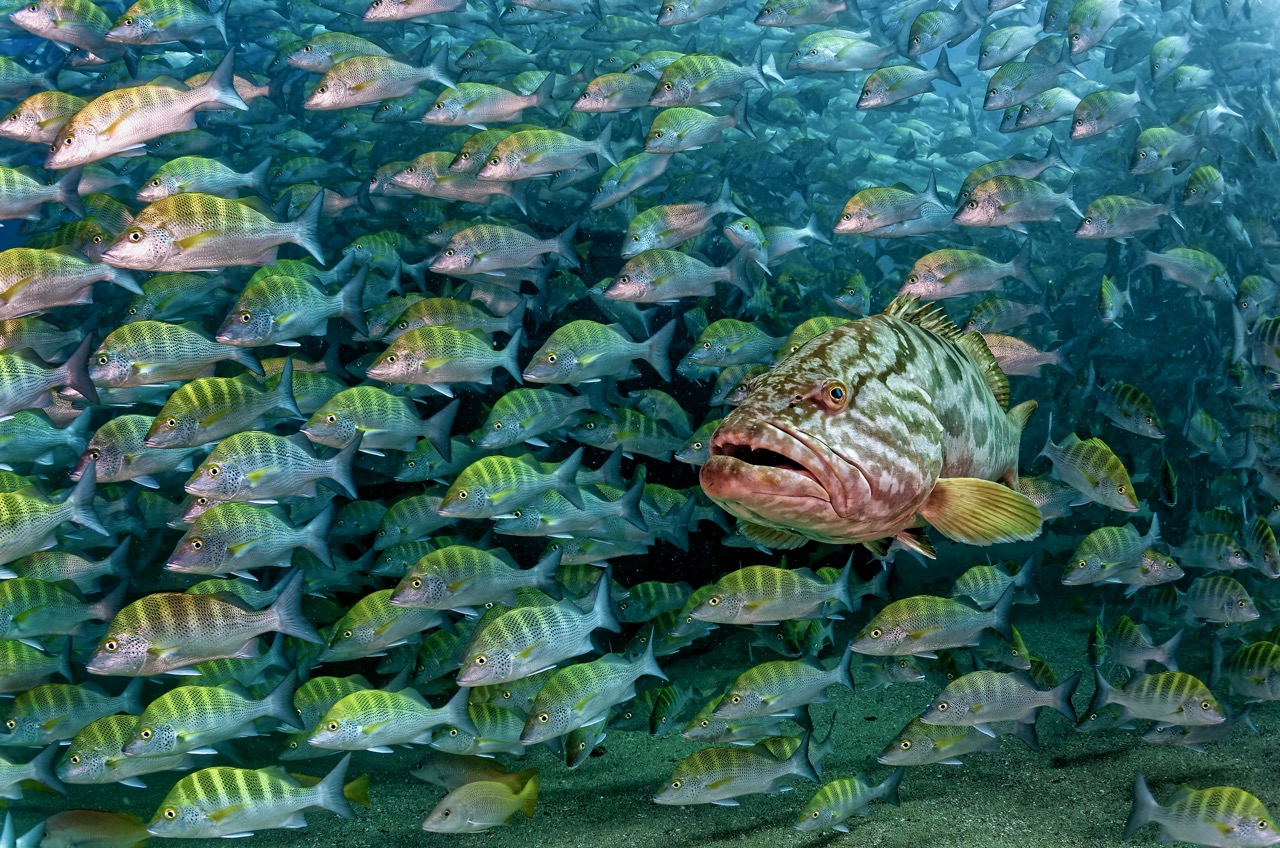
[(170, 813), (497, 425), (155, 183), (75, 759), (837, 394), (1120, 489), (103, 360), (713, 601), (1149, 420), (1082, 564), (972, 204), (517, 514), (322, 89), (1142, 154), (417, 583), (667, 86), (1192, 190), (1206, 705), (462, 494), (94, 454), (146, 733), (993, 92), (480, 659), (214, 471), (1075, 37), (246, 317), (412, 169), (171, 423), (866, 92), (915, 40), (706, 345), (306, 48), (1089, 220), (905, 744), (736, 699), (347, 634), (111, 646), (449, 252), (495, 161), (332, 419), (697, 445), (1242, 604), (675, 784), (543, 718), (875, 633), (135, 236), (942, 706), (591, 425), (332, 726), (551, 358), (1079, 122), (197, 544), (1262, 824), (11, 724), (913, 279), (391, 359)]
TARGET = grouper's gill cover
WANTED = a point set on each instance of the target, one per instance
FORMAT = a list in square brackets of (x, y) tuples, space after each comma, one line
[(871, 429)]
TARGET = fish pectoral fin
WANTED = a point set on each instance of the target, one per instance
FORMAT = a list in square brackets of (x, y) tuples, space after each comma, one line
[(193, 241), (219, 815), (917, 635), (980, 512), (916, 540), (771, 537), (243, 547)]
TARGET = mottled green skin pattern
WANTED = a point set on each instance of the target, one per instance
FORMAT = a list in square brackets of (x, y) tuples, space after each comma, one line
[(918, 409)]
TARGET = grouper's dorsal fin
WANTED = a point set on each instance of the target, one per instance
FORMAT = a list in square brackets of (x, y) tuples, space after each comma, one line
[(931, 317), (927, 316), (974, 345)]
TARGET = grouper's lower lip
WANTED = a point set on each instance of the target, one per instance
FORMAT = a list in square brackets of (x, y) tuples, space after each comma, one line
[(764, 458)]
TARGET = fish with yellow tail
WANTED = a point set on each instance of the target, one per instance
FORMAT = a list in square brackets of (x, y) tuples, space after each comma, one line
[(869, 431)]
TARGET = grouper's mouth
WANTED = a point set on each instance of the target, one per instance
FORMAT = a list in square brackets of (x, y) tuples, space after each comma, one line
[(765, 461)]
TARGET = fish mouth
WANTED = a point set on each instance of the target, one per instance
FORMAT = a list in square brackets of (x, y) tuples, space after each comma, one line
[(767, 461)]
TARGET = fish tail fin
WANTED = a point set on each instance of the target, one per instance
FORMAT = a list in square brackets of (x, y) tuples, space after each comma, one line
[(739, 116), (329, 792), (457, 714), (602, 604), (77, 370), (221, 85), (888, 790), (131, 698), (1053, 158), (439, 67), (515, 318), (246, 357), (564, 244), (1153, 534), (106, 609), (68, 190), (287, 612), (528, 796), (930, 193), (1048, 438), (1000, 614), (220, 21), (351, 301), (1103, 694), (843, 591), (118, 561), (649, 663), (805, 763), (814, 229), (843, 670), (602, 144), (316, 537), (438, 429), (1020, 265), (279, 704), (1144, 808), (544, 573), (544, 98), (509, 354), (81, 498), (258, 177), (43, 770), (342, 465), (656, 350), (307, 227), (1166, 653), (943, 69), (725, 201), (284, 391), (737, 272), (629, 505), (124, 280), (566, 478), (1061, 697)]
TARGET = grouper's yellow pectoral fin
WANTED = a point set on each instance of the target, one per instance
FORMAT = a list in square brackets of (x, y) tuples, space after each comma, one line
[(980, 512)]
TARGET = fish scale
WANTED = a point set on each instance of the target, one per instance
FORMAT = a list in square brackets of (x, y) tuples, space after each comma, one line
[(253, 465), (150, 352), (58, 711), (581, 694), (765, 594), (209, 409)]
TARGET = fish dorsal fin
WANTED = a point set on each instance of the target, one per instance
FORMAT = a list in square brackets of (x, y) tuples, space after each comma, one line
[(927, 316), (974, 345)]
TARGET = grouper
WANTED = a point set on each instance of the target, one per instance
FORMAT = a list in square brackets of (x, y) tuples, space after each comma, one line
[(869, 431)]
